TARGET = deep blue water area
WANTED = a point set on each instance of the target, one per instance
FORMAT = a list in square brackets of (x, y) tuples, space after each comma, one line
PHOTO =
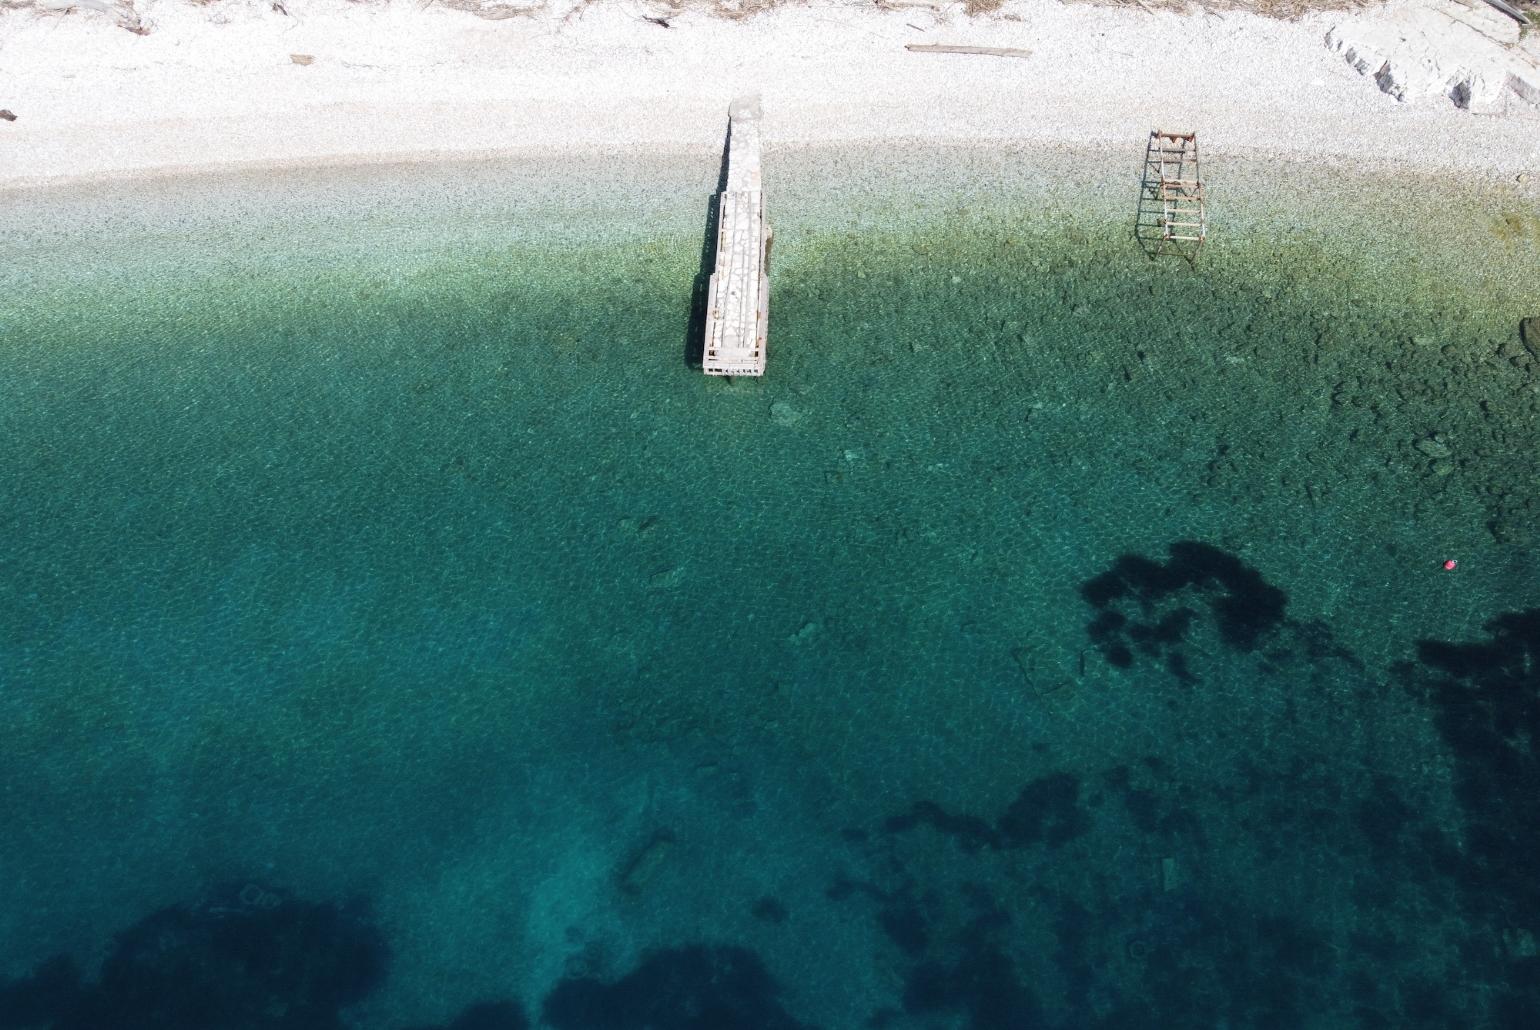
[(397, 631)]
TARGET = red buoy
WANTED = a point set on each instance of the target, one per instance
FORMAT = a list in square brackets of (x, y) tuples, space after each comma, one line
[(1450, 564)]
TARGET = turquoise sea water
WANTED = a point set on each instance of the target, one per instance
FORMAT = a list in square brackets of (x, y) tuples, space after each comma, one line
[(393, 620)]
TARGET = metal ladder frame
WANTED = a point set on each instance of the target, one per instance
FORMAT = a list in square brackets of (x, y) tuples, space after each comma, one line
[(1173, 217)]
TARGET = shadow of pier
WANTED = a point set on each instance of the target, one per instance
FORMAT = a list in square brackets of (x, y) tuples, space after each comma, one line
[(695, 328)]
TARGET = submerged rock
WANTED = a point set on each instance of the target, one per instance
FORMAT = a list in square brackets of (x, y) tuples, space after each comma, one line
[(1433, 447), (769, 910), (1529, 335)]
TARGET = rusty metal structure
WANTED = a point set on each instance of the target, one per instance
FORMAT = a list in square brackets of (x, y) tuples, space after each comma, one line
[(1172, 217)]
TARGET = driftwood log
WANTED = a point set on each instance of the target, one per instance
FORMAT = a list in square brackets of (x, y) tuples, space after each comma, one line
[(1511, 11), (952, 48)]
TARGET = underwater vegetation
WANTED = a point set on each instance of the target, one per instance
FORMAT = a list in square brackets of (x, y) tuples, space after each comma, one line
[(1243, 606), (246, 957), (253, 958), (1487, 698), (490, 1015), (250, 957), (688, 988), (1244, 871), (1258, 886)]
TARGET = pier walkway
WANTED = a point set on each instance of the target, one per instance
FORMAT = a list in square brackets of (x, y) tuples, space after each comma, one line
[(738, 297)]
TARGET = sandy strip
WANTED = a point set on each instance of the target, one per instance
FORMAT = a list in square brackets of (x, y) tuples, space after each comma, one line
[(220, 85)]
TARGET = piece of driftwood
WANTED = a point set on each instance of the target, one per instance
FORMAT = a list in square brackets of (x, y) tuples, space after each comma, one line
[(7, 116), (302, 58), (952, 48), (1511, 11)]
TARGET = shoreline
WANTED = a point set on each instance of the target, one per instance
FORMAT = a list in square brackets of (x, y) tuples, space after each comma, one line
[(879, 185), (216, 88), (1516, 177)]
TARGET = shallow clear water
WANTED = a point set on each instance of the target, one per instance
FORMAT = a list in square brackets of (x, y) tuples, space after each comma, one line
[(1053, 638)]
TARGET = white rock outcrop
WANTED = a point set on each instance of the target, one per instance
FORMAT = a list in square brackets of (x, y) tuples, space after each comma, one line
[(1467, 54)]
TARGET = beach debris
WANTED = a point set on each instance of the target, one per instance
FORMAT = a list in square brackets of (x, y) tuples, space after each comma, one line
[(656, 21), (667, 579), (496, 10), (7, 116), (645, 862), (129, 19), (302, 58), (1511, 11), (1041, 674), (640, 526), (954, 48)]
